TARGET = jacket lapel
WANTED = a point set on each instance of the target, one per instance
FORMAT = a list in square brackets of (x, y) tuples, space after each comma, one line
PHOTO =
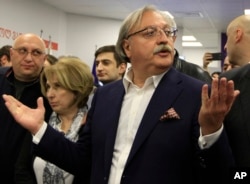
[(164, 96), (117, 93)]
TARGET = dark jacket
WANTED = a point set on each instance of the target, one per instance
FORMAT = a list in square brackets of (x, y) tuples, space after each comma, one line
[(237, 121), (13, 137), (191, 69), (162, 151)]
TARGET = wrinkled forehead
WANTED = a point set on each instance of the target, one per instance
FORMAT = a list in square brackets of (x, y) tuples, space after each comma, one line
[(155, 17)]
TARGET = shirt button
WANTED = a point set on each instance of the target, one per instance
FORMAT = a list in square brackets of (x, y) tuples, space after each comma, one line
[(202, 162), (204, 144)]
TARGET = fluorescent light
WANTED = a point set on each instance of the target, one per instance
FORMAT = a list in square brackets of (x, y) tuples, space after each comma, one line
[(247, 11), (191, 44), (188, 38)]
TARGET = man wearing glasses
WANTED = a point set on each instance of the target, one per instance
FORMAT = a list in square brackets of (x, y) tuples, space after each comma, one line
[(149, 127), (22, 81), (181, 65)]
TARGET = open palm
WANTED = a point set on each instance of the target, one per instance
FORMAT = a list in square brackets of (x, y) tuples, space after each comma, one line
[(216, 106), (29, 118)]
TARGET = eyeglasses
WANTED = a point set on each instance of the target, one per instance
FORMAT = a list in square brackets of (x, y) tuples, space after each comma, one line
[(153, 31), (25, 52)]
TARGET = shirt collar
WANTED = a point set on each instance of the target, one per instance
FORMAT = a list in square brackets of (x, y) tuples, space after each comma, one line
[(127, 79)]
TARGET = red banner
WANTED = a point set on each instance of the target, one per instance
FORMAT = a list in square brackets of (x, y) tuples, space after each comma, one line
[(10, 34)]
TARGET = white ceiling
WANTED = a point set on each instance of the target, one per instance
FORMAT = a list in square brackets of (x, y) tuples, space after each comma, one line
[(204, 19)]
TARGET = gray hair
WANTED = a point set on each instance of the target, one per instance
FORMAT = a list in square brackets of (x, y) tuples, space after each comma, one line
[(133, 20)]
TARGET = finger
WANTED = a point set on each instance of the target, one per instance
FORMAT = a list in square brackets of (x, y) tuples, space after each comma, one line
[(6, 98), (209, 57), (10, 99), (40, 104), (214, 91), (236, 93), (204, 94), (223, 90), (230, 88), (232, 93), (12, 104)]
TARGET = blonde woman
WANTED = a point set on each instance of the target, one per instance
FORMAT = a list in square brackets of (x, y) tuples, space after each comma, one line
[(67, 85)]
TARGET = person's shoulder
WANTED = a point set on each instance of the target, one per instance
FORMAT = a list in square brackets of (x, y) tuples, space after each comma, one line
[(189, 84), (3, 70), (192, 79), (186, 79), (111, 86), (194, 70), (237, 73), (193, 66)]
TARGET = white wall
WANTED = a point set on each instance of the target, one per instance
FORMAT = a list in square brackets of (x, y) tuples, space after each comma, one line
[(195, 55), (76, 35), (85, 34), (23, 16)]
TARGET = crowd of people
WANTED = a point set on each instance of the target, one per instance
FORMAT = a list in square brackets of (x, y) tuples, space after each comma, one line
[(226, 65), (156, 118)]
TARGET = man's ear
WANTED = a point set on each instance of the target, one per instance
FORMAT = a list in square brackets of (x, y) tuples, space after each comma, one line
[(126, 47), (239, 34), (4, 57), (122, 68)]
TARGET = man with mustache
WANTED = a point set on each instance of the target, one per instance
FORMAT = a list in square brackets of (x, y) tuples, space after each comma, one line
[(153, 126)]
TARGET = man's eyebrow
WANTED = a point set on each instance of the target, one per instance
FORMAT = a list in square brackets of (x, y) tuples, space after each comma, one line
[(106, 60)]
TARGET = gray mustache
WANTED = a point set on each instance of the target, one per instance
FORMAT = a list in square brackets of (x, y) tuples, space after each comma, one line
[(163, 47)]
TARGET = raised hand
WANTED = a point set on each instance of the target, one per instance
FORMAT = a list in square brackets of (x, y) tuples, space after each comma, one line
[(215, 107), (207, 59), (31, 119)]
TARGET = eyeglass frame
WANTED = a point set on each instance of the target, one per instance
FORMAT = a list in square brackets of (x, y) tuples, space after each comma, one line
[(174, 31), (26, 52)]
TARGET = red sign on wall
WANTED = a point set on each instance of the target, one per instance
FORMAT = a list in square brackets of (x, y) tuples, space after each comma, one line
[(10, 34), (51, 45)]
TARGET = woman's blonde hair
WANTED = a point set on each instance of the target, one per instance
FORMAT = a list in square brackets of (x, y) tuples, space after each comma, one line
[(73, 75)]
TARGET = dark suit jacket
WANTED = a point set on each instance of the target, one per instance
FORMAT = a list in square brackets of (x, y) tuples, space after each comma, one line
[(162, 152), (15, 141), (237, 122)]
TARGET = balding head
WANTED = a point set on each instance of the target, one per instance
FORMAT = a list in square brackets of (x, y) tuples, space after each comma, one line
[(28, 56), (30, 38), (238, 40), (242, 21)]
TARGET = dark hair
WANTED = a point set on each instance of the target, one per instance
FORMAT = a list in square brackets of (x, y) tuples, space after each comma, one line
[(216, 72), (110, 48), (51, 59), (5, 51)]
